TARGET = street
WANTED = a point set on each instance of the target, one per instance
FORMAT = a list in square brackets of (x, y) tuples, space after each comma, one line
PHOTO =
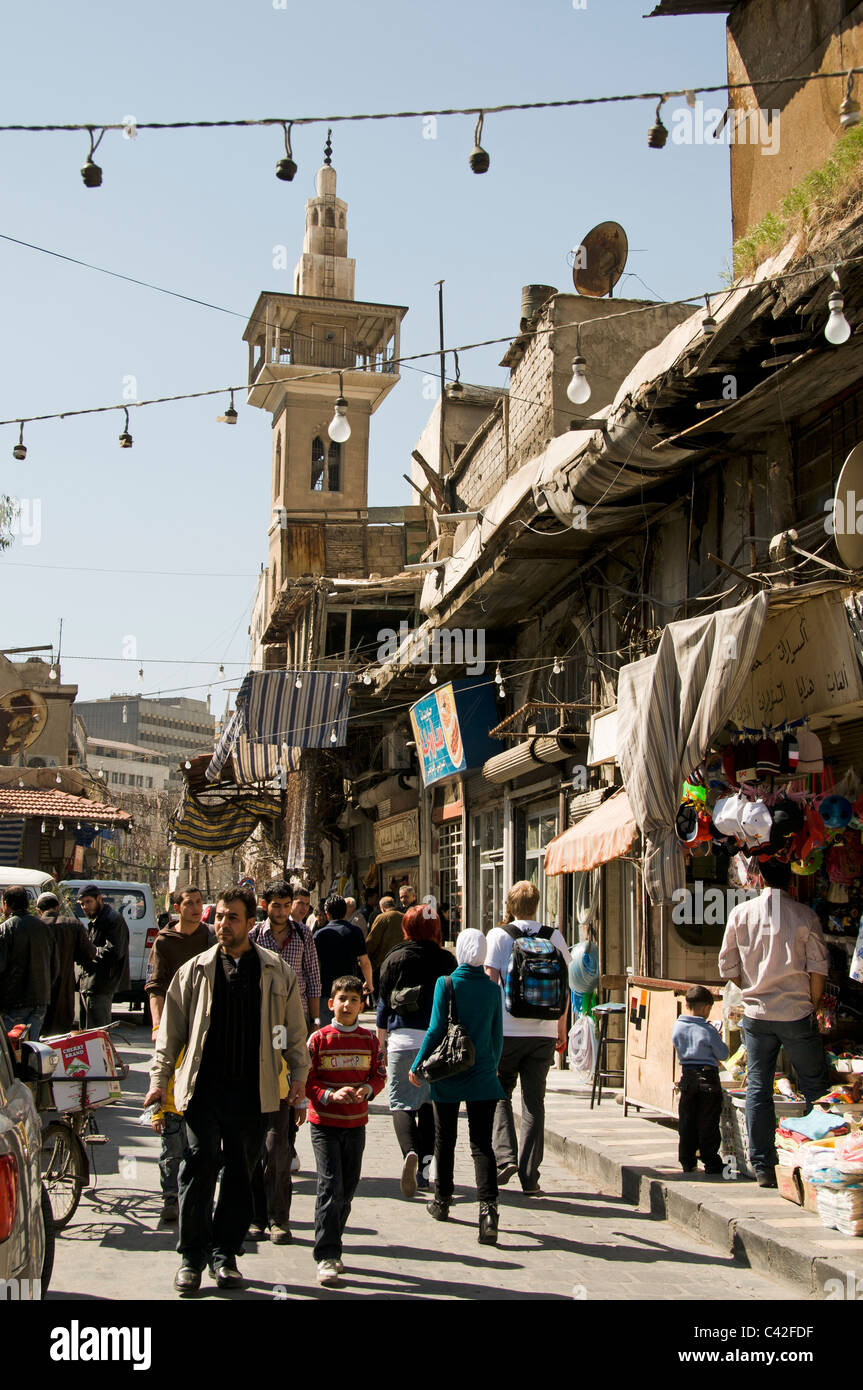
[(573, 1243)]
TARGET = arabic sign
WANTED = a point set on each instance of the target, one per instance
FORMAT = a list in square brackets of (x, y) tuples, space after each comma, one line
[(806, 665), (451, 729), (398, 837), (438, 736)]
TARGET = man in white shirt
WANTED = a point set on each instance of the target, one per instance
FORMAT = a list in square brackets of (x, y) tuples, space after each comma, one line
[(774, 950), (528, 1051)]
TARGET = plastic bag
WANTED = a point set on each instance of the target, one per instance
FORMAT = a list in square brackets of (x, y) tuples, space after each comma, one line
[(732, 1003), (856, 967), (582, 1049)]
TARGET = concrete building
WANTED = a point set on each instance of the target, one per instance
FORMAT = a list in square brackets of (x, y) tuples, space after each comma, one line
[(172, 727), (125, 766)]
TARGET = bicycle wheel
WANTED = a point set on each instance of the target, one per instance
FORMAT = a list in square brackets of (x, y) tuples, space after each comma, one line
[(64, 1171)]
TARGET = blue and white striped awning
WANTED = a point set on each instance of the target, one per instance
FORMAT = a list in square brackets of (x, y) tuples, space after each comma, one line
[(11, 835), (272, 711)]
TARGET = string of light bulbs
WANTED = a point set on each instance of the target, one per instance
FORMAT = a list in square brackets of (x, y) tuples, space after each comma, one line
[(479, 158), (837, 331)]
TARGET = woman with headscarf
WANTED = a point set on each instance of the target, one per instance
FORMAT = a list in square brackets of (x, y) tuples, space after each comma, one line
[(405, 992), (479, 1011)]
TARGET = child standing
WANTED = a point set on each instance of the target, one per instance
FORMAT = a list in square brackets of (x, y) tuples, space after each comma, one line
[(699, 1047), (346, 1072)]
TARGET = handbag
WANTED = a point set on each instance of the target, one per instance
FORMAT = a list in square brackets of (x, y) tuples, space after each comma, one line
[(455, 1053), (406, 999)]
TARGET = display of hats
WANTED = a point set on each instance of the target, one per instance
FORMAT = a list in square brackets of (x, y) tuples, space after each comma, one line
[(715, 775), (789, 756), (745, 761), (694, 791), (767, 761), (835, 811), (811, 753), (788, 817), (729, 758), (756, 824)]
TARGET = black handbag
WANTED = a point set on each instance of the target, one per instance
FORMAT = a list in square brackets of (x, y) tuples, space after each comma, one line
[(456, 1052)]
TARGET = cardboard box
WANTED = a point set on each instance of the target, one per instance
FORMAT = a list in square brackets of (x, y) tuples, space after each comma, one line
[(83, 1055)]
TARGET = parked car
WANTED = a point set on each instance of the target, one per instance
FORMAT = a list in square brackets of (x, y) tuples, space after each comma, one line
[(36, 881), (135, 902), (26, 1224)]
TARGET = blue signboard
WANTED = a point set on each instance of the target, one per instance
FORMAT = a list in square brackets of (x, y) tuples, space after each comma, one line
[(451, 729)]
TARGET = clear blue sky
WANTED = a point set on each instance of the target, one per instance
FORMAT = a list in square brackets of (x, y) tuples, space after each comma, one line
[(201, 211)]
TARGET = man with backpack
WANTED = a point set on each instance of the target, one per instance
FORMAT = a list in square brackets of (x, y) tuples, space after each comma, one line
[(531, 964)]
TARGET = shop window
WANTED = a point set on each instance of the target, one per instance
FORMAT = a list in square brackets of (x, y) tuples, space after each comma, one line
[(318, 461), (449, 859)]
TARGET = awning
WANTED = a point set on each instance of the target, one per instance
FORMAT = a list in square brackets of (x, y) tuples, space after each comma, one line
[(214, 829), (303, 709), (526, 757), (603, 835)]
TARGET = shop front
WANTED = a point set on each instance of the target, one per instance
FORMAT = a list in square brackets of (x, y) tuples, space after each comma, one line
[(739, 741)]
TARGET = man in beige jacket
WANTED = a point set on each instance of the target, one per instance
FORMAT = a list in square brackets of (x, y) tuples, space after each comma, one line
[(231, 1015)]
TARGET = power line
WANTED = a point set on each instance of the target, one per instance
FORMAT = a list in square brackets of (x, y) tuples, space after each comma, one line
[(129, 126)]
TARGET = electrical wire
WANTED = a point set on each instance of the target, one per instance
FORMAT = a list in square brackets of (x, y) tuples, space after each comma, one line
[(565, 102)]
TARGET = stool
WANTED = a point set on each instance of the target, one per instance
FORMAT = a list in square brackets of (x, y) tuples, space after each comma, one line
[(604, 1011)]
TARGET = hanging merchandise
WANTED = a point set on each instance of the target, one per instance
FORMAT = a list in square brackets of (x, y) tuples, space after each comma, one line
[(582, 1049), (584, 967), (856, 968)]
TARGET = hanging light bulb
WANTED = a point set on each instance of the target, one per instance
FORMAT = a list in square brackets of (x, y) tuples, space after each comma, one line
[(838, 329), (658, 134), (52, 674), (578, 390), (19, 450), (479, 158), (298, 682), (20, 781), (78, 826), (367, 680), (140, 675), (286, 167), (708, 323), (339, 428), (230, 415), (91, 173), (43, 827), (498, 674), (126, 440), (61, 826), (187, 764), (849, 111), (59, 780), (501, 691), (101, 772), (334, 736), (556, 668), (432, 677), (221, 668)]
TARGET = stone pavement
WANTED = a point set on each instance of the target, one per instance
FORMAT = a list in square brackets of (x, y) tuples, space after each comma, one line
[(636, 1159), (577, 1242)]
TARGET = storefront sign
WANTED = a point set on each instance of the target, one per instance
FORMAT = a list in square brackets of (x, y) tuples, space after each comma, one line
[(398, 837), (451, 729), (806, 665)]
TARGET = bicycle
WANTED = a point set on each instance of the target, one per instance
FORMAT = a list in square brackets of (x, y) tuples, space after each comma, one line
[(65, 1135)]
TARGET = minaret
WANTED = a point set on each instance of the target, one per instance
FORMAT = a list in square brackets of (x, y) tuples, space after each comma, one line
[(324, 268)]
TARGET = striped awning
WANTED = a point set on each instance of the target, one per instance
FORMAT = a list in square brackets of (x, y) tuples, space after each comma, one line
[(669, 708), (212, 829), (272, 711), (11, 835), (602, 835)]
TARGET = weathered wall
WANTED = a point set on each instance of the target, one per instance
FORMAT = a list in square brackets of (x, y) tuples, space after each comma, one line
[(765, 41)]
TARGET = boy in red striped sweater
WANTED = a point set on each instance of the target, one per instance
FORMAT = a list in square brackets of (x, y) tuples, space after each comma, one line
[(346, 1072)]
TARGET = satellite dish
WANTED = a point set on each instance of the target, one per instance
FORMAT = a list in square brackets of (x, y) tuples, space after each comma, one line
[(597, 264), (23, 717), (849, 492)]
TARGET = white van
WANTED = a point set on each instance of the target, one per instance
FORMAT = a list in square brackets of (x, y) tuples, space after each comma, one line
[(134, 901), (36, 881)]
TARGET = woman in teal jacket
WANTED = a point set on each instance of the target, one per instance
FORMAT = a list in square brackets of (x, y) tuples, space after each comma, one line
[(478, 1004)]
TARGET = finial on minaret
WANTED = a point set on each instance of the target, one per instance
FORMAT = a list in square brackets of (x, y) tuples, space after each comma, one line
[(328, 149)]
